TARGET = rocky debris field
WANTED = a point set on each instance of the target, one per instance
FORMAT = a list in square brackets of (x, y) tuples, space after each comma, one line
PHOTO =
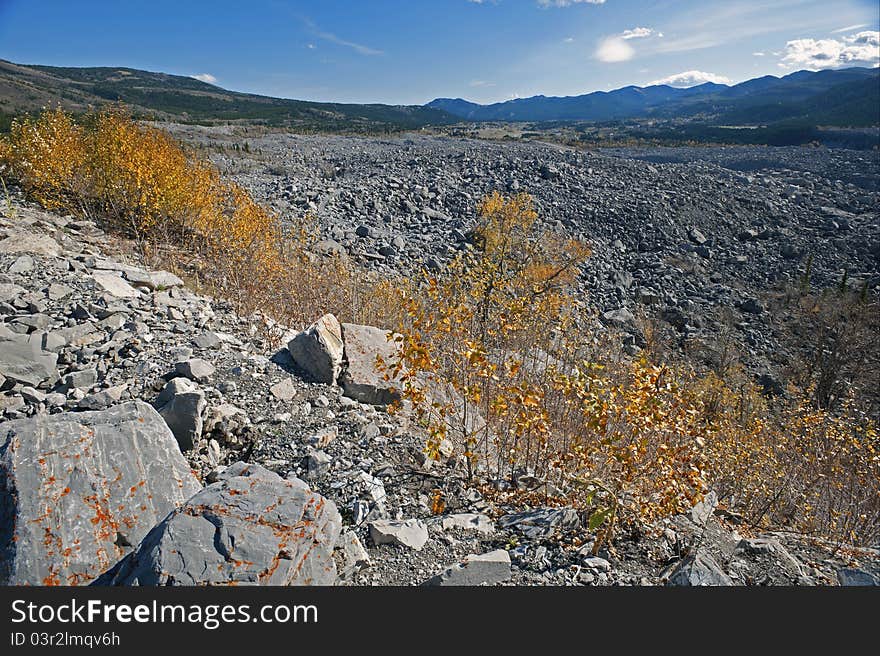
[(685, 236), (149, 435)]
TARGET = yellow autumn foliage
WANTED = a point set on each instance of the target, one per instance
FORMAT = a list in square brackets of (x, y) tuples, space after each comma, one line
[(140, 180), (533, 393), (47, 156)]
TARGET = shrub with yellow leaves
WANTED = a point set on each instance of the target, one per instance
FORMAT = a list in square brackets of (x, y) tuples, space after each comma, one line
[(475, 341), (140, 180), (47, 156), (494, 359)]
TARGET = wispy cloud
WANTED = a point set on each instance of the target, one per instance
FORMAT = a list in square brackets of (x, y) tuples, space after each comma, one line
[(691, 79), (476, 84), (205, 77), (850, 28), (758, 54), (715, 24), (332, 38), (816, 54)]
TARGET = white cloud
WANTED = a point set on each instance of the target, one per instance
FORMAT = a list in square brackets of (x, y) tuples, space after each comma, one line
[(311, 46), (814, 54), (475, 84), (691, 79), (614, 49), (568, 39), (205, 77), (568, 3), (638, 33), (758, 54)]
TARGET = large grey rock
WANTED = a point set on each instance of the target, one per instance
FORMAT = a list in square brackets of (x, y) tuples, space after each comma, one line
[(485, 569), (25, 362), (195, 369), (352, 554), (541, 523), (22, 264), (76, 488), (114, 285), (284, 391), (361, 379), (620, 318), (10, 291), (318, 350), (103, 399), (250, 527), (182, 405), (468, 522), (152, 280), (699, 570), (83, 379), (29, 242), (410, 533), (856, 577)]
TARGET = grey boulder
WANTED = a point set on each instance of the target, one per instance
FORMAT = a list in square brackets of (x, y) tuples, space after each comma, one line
[(251, 527), (484, 569), (410, 533), (114, 285), (195, 369), (76, 489), (318, 350), (468, 522), (182, 405), (353, 556), (699, 570), (542, 523), (362, 379), (856, 577), (25, 362), (152, 280)]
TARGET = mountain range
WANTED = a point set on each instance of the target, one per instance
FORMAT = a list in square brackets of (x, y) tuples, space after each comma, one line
[(845, 97)]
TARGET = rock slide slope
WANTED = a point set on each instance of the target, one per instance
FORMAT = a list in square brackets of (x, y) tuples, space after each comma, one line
[(150, 435)]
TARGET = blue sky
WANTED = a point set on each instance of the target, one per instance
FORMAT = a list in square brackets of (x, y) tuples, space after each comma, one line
[(399, 51)]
